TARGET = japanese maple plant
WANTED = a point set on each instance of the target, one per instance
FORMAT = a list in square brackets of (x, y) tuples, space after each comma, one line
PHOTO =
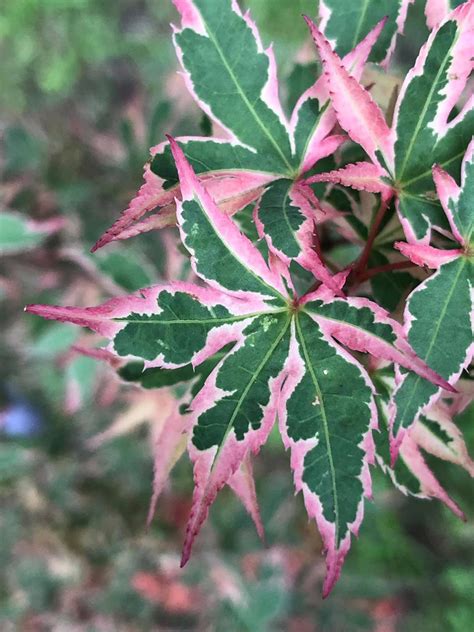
[(332, 262)]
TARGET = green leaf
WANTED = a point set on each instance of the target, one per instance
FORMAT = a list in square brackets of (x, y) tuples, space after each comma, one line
[(18, 233)]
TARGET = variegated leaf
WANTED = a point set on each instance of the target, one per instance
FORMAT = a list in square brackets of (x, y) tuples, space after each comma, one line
[(327, 424), (433, 433), (430, 91), (443, 299), (211, 43), (345, 24)]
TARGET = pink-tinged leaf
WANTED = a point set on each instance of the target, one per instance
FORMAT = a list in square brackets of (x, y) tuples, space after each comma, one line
[(165, 218), (448, 191), (457, 73), (169, 444), (344, 25), (319, 149), (410, 474), (430, 486), (460, 68), (428, 256), (242, 484), (448, 444), (444, 298), (286, 218), (362, 176), (456, 201), (436, 11), (310, 257), (151, 195), (433, 87), (220, 231), (355, 109), (315, 136), (148, 315), (231, 189)]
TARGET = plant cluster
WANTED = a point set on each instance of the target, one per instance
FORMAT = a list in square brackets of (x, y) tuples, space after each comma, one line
[(310, 300)]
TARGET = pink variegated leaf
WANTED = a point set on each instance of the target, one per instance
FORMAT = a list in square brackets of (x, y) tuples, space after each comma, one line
[(433, 87), (428, 256), (175, 322), (429, 485), (231, 189), (355, 109), (410, 473), (362, 325), (362, 176), (234, 413), (436, 433), (293, 238), (206, 50), (150, 196), (446, 297), (313, 118), (457, 200), (235, 266)]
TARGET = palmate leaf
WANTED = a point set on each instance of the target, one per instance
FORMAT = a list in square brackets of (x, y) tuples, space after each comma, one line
[(443, 299), (345, 24), (286, 355), (239, 92), (422, 126)]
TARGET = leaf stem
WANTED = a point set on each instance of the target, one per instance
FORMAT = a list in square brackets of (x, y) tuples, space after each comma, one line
[(388, 267), (361, 265)]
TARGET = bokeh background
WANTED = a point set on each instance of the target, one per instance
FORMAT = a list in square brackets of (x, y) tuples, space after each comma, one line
[(87, 86)]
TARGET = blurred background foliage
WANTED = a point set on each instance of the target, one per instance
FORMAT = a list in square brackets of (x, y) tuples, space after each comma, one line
[(87, 87)]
